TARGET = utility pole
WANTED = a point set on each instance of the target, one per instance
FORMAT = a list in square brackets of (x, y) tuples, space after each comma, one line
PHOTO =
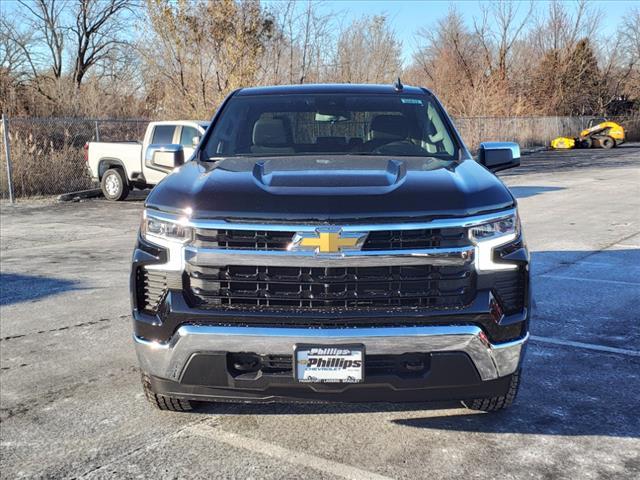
[(7, 156)]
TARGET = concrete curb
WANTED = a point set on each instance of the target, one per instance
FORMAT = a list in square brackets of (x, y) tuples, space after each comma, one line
[(530, 151), (73, 196)]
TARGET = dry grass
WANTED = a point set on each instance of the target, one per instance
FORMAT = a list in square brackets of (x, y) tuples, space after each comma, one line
[(41, 167)]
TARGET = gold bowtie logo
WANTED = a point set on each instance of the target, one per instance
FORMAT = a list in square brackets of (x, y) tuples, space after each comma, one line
[(327, 241)]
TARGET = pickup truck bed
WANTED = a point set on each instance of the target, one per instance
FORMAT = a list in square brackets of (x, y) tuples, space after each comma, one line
[(102, 155)]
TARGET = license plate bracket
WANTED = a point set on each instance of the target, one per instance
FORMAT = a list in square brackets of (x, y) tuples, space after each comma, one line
[(315, 363)]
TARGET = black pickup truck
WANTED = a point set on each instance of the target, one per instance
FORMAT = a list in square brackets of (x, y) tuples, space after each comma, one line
[(331, 243)]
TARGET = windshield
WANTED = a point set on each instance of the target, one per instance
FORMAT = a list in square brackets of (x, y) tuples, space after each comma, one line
[(286, 125)]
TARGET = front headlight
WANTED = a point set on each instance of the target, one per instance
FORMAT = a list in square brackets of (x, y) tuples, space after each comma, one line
[(155, 229), (493, 234), (506, 226)]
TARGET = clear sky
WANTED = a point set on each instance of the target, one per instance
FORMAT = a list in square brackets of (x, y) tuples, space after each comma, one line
[(407, 16)]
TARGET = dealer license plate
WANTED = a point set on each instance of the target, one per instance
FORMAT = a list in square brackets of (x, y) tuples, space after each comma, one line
[(329, 364)]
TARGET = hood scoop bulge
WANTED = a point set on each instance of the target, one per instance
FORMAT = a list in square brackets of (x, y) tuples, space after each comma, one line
[(351, 174)]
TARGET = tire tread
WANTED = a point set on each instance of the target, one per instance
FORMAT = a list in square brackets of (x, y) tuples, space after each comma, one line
[(163, 402), (493, 404)]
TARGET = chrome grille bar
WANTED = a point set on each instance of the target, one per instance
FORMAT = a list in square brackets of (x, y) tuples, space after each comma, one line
[(357, 258), (346, 227)]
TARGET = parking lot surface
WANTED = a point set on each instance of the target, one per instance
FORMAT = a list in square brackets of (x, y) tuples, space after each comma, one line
[(72, 405)]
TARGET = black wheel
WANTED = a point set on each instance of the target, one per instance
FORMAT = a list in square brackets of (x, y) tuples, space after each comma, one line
[(114, 184), (586, 142), (494, 404), (607, 142), (162, 402)]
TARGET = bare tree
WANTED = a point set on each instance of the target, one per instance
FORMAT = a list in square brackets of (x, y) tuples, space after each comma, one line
[(98, 33), (46, 20), (55, 44), (35, 40), (14, 61), (368, 51), (14, 68), (310, 41), (626, 72), (630, 31), (566, 79), (562, 27), (76, 57), (450, 59), (275, 65), (200, 51), (498, 30)]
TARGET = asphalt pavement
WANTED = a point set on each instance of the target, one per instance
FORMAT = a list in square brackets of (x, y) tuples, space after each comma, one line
[(71, 403)]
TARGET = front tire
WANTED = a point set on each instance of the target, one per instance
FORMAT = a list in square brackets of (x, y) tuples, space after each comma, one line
[(163, 402), (114, 185), (493, 404), (607, 142), (586, 142)]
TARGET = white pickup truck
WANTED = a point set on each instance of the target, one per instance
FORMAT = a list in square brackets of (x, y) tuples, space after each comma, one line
[(122, 166)]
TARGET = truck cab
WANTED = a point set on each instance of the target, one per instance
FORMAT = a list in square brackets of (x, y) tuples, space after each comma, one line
[(122, 166), (332, 243)]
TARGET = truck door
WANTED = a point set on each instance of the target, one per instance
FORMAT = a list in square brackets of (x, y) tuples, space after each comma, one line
[(187, 135), (161, 135)]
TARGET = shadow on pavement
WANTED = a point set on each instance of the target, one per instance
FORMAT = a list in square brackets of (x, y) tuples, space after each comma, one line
[(532, 418), (137, 195), (524, 192), (17, 288), (134, 196), (319, 408)]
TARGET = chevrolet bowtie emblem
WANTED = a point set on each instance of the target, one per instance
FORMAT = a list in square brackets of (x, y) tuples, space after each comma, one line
[(327, 240)]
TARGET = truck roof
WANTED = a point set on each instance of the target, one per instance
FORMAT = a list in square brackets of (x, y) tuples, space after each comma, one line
[(332, 88), (202, 123)]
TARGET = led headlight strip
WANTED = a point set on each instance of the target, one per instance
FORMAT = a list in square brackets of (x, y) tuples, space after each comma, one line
[(154, 229), (490, 235), (172, 235)]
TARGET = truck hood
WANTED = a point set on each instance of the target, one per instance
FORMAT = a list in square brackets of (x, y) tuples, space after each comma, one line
[(326, 188)]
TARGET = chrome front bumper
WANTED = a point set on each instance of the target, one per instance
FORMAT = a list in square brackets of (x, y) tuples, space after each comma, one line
[(167, 360)]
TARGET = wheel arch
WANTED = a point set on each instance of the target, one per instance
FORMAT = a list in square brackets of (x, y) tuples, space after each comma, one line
[(106, 163)]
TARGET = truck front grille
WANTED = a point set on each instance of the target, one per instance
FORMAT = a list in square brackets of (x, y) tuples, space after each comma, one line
[(424, 286), (416, 239), (242, 239), (377, 240)]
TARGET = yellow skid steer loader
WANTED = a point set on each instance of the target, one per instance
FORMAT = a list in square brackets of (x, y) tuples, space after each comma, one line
[(599, 134)]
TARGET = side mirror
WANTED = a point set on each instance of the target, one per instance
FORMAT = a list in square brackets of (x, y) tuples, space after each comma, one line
[(497, 156), (195, 141), (164, 157)]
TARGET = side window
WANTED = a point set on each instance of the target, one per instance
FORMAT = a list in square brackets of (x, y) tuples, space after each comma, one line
[(186, 137), (163, 134)]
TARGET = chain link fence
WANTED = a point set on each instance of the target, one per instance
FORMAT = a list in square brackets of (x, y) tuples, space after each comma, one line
[(534, 131), (47, 154)]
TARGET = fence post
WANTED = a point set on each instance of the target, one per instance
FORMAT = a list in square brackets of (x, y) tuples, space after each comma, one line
[(7, 155), (97, 131)]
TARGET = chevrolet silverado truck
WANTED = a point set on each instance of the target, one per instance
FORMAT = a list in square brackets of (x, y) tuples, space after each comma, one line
[(122, 166), (331, 243)]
